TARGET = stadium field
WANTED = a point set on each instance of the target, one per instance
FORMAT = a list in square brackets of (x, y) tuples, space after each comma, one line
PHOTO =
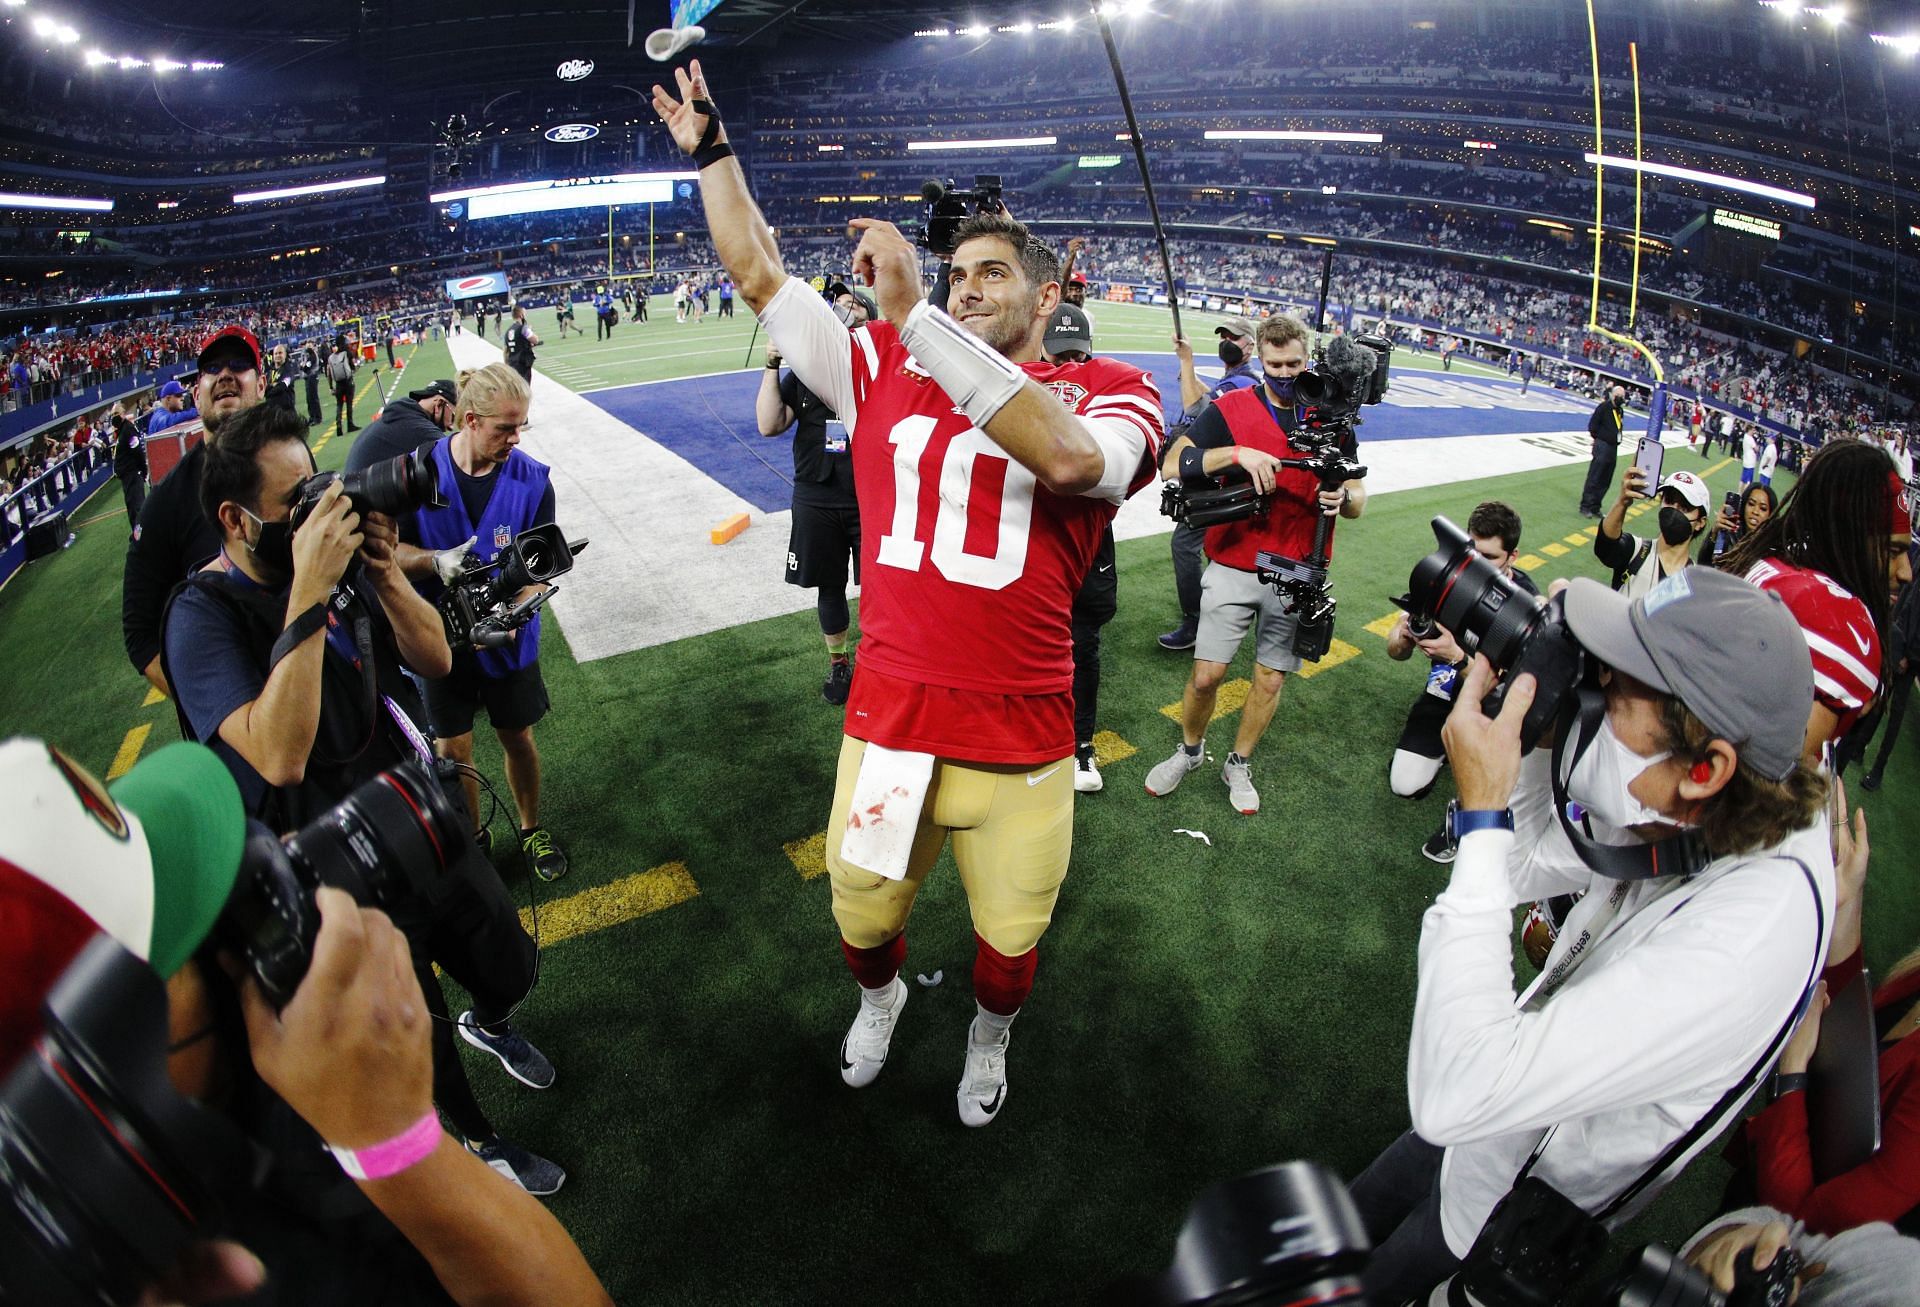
[(1204, 1006)]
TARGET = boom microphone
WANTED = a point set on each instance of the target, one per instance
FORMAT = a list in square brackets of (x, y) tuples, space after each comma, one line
[(931, 190), (1349, 363)]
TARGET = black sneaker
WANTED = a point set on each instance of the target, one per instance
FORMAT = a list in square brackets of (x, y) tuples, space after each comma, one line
[(839, 682), (522, 1060), (1438, 848), (529, 1170), (1180, 637), (548, 862)]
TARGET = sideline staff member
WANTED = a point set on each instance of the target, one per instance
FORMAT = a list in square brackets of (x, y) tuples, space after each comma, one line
[(501, 493), (1249, 428)]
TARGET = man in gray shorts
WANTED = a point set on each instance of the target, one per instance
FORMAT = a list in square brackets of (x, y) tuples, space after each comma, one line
[(1248, 429)]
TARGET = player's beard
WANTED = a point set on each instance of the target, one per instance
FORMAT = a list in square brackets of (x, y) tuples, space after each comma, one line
[(1007, 330)]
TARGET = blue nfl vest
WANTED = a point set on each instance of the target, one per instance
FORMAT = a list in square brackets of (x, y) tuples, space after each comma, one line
[(519, 486)]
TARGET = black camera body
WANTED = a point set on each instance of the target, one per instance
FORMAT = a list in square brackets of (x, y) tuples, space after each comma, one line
[(1308, 587), (479, 608), (946, 206), (1520, 634), (1226, 496), (1349, 373), (397, 485)]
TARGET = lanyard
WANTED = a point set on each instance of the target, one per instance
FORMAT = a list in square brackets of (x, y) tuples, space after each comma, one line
[(338, 639)]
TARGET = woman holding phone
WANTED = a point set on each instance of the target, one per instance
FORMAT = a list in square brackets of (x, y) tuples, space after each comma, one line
[(1743, 511)]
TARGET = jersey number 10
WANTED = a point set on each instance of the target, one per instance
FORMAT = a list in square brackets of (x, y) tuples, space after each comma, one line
[(900, 546)]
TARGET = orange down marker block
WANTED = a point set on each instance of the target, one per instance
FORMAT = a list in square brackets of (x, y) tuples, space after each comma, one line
[(728, 529)]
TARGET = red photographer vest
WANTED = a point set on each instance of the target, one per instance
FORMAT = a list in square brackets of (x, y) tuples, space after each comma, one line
[(1288, 526)]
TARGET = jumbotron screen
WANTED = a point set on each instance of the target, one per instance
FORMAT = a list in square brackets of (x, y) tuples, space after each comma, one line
[(566, 193)]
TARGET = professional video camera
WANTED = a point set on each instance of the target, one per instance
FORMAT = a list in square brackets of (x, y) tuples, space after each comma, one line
[(1289, 1234), (479, 605), (393, 486), (1343, 379), (106, 1172), (946, 206)]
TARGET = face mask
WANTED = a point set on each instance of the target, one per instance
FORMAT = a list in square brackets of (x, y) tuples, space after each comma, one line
[(1600, 779), (273, 547), (1282, 387), (1676, 528), (1231, 354)]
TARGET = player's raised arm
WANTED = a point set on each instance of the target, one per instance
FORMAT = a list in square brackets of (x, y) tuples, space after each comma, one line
[(740, 233)]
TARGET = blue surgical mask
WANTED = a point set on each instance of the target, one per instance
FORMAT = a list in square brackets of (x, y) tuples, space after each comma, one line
[(1282, 387)]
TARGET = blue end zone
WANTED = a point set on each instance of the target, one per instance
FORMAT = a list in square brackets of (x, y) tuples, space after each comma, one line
[(709, 420)]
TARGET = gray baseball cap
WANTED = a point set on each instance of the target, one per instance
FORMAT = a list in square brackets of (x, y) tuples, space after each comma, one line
[(1237, 327), (1069, 329), (1731, 652)]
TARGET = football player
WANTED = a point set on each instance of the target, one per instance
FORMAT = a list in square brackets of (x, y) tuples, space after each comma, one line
[(988, 476)]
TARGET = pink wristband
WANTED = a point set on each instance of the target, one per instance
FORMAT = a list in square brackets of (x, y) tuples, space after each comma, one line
[(378, 1161)]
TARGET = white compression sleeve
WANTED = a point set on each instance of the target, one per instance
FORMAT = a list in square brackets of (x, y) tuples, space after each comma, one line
[(978, 377)]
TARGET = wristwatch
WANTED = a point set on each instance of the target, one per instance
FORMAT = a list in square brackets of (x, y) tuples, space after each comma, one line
[(1787, 1082), (1465, 821)]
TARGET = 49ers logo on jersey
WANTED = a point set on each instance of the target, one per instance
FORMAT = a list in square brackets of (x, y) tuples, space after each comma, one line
[(1070, 393)]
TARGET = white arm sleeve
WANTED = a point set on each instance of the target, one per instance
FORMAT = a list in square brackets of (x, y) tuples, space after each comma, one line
[(815, 344), (1123, 444)]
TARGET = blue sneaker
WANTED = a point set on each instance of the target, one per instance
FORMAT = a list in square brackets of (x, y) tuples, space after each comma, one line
[(522, 1060), (1180, 637), (529, 1170)]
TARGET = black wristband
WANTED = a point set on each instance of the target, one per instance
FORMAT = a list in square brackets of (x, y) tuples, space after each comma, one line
[(712, 154), (1788, 1082), (1192, 464)]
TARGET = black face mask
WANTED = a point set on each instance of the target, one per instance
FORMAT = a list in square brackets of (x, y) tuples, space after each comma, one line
[(1231, 354), (1676, 528), (273, 547)]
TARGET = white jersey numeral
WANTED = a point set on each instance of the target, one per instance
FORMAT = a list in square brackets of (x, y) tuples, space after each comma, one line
[(900, 548)]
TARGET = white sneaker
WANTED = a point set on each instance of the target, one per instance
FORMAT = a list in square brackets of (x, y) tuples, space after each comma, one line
[(1240, 791), (1165, 778), (983, 1081), (1086, 774), (864, 1051)]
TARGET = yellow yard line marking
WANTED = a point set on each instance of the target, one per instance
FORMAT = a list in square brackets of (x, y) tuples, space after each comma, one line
[(1109, 748), (129, 751), (1554, 549), (153, 696), (1338, 652), (1580, 538), (808, 856), (1383, 626), (1530, 562), (626, 899), (1231, 699)]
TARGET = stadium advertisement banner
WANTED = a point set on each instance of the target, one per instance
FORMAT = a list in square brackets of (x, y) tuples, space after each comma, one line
[(484, 283), (687, 12)]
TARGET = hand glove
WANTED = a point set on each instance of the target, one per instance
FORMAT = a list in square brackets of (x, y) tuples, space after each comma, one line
[(448, 564)]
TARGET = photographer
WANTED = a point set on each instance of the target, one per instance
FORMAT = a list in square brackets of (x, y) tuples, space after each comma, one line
[(285, 653), (519, 344), (1604, 429), (152, 861), (173, 535), (1667, 994), (308, 366), (1638, 563), (340, 368), (501, 492), (1417, 759), (279, 379), (1755, 504), (1249, 429), (406, 423), (129, 463), (825, 533), (1239, 352)]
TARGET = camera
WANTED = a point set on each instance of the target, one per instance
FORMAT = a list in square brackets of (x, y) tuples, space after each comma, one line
[(106, 1172), (393, 486), (479, 608), (1228, 496), (946, 206), (1306, 583), (1487, 613), (1349, 373)]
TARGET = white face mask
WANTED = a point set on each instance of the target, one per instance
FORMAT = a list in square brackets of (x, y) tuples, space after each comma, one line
[(1600, 779)]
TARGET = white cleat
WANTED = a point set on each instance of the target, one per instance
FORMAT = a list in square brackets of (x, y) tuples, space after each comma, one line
[(864, 1051), (983, 1081)]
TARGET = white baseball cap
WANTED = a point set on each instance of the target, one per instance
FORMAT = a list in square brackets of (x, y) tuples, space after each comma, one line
[(1691, 488)]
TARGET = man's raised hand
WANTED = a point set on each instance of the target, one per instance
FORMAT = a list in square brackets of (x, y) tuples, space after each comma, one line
[(885, 260), (683, 123), (1485, 751)]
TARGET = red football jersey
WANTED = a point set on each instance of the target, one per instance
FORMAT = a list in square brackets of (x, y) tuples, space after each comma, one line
[(1840, 635), (968, 565)]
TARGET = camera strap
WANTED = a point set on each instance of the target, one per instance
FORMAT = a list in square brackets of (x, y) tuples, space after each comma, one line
[(1710, 1121), (1681, 854)]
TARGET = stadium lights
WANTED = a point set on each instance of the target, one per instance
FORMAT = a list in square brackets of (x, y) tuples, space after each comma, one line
[(999, 143), (935, 31), (317, 188), (978, 29), (15, 4), (506, 188), (1480, 145), (162, 64), (1361, 138), (1834, 14), (1021, 29), (15, 200), (1319, 240), (1058, 25), (1908, 45), (1764, 191), (95, 58), (1548, 222)]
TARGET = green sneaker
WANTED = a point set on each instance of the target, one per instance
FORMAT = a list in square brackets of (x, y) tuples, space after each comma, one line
[(548, 862)]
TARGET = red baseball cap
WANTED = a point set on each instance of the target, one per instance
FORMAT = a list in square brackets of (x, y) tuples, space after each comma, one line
[(232, 332)]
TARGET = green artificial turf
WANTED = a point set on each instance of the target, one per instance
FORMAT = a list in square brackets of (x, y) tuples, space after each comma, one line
[(1200, 1011)]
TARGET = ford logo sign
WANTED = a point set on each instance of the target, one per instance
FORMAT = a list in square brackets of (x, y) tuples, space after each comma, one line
[(568, 132), (574, 70)]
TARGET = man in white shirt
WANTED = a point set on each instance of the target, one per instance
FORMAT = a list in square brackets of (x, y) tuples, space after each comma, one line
[(1683, 814)]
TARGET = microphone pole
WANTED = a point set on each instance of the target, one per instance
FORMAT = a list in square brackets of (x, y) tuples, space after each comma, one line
[(1140, 157)]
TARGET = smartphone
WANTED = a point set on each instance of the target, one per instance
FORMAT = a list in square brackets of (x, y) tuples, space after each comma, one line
[(1733, 505), (1648, 458)]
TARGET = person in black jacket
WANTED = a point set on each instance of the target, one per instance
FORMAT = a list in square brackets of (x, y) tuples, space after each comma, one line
[(129, 463), (406, 423), (1604, 427), (307, 363), (519, 342), (173, 536)]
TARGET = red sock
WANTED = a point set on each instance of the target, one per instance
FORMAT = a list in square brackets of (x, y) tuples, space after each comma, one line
[(876, 967), (1000, 983)]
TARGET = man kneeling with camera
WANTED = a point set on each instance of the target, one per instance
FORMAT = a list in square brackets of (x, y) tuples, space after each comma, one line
[(285, 653), (1676, 797)]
